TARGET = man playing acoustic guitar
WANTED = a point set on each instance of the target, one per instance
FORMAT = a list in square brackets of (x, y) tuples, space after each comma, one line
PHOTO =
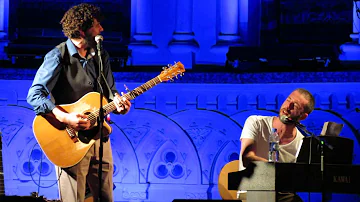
[(67, 73)]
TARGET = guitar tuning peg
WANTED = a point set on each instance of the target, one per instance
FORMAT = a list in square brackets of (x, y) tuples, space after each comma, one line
[(164, 68), (170, 79)]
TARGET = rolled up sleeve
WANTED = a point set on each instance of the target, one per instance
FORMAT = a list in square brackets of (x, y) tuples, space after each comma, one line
[(44, 81)]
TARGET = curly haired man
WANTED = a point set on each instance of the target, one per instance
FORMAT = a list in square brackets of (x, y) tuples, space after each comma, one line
[(68, 72)]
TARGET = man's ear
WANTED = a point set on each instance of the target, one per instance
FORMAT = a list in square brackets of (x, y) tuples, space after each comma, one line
[(303, 116)]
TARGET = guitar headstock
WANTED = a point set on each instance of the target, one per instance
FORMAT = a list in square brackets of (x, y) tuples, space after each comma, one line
[(172, 71)]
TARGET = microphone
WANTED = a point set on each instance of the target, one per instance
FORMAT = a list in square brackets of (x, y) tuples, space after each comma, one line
[(99, 39), (285, 119)]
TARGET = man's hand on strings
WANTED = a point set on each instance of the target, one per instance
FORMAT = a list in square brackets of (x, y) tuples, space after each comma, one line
[(122, 104), (75, 120), (78, 121)]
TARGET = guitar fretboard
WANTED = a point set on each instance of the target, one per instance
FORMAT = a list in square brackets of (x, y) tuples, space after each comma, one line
[(108, 108)]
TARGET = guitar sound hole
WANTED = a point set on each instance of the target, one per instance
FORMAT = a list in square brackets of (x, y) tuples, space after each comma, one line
[(86, 136)]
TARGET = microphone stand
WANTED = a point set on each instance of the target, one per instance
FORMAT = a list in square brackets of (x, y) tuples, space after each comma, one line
[(100, 122), (322, 162)]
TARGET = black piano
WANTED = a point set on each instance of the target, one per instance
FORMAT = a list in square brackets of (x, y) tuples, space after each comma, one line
[(298, 177), (339, 175)]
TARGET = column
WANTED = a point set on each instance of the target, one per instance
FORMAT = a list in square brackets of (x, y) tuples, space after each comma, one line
[(355, 35), (350, 52), (228, 32), (4, 24), (238, 24), (4, 18), (183, 44), (183, 36), (141, 25)]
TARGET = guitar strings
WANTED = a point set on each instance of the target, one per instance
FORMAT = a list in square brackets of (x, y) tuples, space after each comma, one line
[(130, 96)]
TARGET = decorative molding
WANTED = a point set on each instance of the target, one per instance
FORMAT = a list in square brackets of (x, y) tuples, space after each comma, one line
[(214, 77)]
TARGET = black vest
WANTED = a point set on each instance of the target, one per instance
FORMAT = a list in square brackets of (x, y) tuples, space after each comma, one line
[(74, 81)]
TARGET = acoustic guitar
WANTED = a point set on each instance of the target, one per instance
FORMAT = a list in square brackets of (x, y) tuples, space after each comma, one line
[(63, 145), (225, 193)]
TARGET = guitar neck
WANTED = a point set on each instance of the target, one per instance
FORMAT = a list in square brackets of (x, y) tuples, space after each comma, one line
[(110, 107)]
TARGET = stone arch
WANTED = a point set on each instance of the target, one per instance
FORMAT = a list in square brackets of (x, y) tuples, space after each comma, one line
[(150, 132), (124, 157), (210, 131), (28, 160)]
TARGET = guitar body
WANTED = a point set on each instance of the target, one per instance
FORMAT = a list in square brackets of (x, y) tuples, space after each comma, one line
[(225, 193), (63, 146)]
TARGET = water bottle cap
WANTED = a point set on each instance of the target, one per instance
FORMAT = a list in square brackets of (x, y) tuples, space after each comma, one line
[(274, 130)]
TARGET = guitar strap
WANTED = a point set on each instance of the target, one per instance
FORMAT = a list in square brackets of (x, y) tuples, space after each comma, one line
[(65, 59)]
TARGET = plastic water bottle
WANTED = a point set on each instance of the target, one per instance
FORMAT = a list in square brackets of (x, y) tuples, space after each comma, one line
[(274, 146)]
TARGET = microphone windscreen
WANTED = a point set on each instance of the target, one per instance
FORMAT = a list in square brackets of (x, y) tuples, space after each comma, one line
[(284, 119), (99, 38)]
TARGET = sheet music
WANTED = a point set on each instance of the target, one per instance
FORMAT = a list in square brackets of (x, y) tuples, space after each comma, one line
[(331, 129)]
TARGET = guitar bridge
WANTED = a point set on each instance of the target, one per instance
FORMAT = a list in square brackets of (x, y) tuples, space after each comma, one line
[(72, 134)]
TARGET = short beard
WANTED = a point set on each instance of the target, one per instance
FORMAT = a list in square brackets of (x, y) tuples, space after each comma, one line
[(90, 41), (289, 120)]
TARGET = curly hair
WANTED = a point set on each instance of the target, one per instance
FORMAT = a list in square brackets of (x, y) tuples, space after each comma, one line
[(80, 17)]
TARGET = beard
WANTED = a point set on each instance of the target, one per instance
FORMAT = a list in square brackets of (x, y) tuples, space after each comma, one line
[(90, 41), (289, 119)]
